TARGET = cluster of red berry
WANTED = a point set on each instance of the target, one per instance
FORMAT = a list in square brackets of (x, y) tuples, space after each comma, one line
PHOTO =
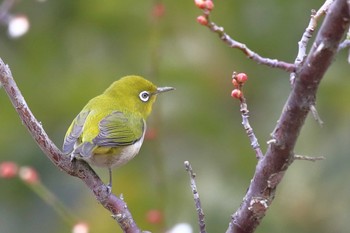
[(207, 6), (9, 169), (238, 81)]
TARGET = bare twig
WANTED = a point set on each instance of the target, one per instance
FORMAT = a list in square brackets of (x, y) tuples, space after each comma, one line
[(308, 158), (271, 168), (249, 130), (345, 44), (307, 35), (249, 53), (205, 20), (79, 168), (316, 115), (196, 198)]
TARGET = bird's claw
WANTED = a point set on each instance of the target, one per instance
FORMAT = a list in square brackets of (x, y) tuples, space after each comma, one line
[(109, 188)]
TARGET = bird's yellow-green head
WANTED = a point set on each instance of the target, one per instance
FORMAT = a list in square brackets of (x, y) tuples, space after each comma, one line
[(135, 94)]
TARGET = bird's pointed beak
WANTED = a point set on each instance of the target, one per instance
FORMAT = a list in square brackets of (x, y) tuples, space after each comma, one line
[(164, 89)]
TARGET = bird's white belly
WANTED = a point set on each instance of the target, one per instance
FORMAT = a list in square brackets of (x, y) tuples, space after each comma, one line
[(116, 160), (127, 153)]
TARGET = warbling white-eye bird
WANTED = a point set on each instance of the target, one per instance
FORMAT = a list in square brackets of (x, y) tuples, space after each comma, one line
[(110, 129)]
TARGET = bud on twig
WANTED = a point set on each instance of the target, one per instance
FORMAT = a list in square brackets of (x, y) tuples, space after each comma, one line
[(204, 4), (236, 93), (202, 20)]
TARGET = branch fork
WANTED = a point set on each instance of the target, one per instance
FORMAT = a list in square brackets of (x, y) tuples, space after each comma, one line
[(305, 76)]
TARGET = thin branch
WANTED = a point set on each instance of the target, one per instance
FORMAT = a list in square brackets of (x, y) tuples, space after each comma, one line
[(307, 35), (316, 115), (271, 168), (238, 81), (78, 168), (345, 44), (249, 130), (309, 31), (248, 52), (308, 158), (232, 43), (197, 201)]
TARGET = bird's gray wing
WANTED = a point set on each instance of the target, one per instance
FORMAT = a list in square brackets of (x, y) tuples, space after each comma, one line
[(117, 129), (74, 131)]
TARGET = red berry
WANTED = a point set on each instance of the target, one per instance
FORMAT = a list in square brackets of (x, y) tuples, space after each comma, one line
[(202, 20), (236, 93), (158, 10), (201, 4), (204, 4), (209, 5), (154, 216), (8, 169), (151, 134), (241, 78)]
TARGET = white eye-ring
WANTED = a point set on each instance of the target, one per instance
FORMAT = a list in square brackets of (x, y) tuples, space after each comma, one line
[(144, 96)]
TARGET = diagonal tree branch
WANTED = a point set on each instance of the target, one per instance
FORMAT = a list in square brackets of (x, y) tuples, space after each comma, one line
[(207, 6), (197, 201), (270, 170), (79, 168)]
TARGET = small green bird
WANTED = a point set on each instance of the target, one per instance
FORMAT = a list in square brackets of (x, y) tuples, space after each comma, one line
[(110, 129)]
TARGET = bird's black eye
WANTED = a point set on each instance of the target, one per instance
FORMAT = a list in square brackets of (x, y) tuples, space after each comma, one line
[(144, 96)]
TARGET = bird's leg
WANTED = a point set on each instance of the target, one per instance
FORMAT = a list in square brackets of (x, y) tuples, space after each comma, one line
[(109, 186)]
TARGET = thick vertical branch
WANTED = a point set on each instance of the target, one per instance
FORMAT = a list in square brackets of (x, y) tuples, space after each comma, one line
[(270, 170)]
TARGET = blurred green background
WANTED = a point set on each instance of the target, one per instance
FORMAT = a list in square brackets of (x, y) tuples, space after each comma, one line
[(75, 49)]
